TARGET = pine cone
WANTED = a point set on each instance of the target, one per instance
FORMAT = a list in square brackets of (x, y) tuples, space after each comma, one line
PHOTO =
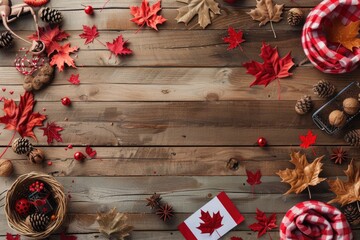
[(22, 146), (304, 105), (324, 89), (353, 138), (295, 17), (352, 213), (6, 39), (38, 221), (49, 15)]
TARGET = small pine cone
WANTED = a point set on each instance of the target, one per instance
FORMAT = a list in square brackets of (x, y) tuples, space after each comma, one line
[(38, 221), (304, 105), (6, 39), (295, 17), (352, 213), (324, 89), (49, 15), (36, 156), (353, 138), (22, 146)]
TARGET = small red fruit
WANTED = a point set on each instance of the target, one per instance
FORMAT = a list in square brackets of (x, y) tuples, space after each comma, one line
[(262, 142), (22, 206), (89, 10), (66, 101), (79, 156)]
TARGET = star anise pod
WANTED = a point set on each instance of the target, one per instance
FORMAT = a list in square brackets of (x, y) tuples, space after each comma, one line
[(339, 155), (165, 212), (153, 201)]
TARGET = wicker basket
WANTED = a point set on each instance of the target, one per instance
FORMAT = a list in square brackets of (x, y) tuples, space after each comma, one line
[(20, 186)]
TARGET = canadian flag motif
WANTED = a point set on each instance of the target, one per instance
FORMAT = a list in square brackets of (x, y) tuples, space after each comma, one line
[(213, 220)]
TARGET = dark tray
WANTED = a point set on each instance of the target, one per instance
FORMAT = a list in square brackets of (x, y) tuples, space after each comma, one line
[(321, 116)]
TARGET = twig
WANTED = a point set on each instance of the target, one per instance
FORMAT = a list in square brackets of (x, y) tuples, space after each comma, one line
[(272, 28), (357, 203), (101, 42), (279, 89), (269, 236), (309, 192), (303, 62), (104, 5), (7, 147)]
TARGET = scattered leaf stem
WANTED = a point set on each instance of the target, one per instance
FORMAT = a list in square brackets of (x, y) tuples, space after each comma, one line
[(7, 147), (272, 28), (357, 203), (309, 192), (269, 236)]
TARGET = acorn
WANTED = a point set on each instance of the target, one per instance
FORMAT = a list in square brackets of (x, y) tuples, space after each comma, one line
[(337, 118), (6, 168), (36, 156), (295, 17), (351, 106)]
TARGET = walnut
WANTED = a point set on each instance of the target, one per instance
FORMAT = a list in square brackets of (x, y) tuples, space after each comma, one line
[(6, 168), (36, 156), (337, 118), (351, 106)]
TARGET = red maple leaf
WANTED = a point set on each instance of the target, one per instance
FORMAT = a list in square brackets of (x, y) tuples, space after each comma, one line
[(91, 152), (89, 33), (118, 46), (11, 237), (36, 3), (230, 1), (50, 37), (308, 139), (147, 15), (264, 224), (62, 57), (52, 132), (74, 79), (236, 238), (22, 118), (272, 68), (210, 224), (253, 178), (64, 237), (234, 38)]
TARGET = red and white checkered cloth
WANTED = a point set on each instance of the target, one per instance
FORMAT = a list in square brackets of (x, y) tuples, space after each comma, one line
[(327, 57), (314, 220)]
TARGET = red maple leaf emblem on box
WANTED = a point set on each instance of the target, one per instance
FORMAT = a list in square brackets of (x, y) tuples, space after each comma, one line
[(210, 224)]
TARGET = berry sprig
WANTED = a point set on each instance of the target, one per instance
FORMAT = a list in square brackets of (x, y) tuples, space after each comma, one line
[(36, 187)]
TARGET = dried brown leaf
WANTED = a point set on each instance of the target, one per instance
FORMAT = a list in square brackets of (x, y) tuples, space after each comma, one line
[(113, 224), (347, 192), (304, 175), (205, 9)]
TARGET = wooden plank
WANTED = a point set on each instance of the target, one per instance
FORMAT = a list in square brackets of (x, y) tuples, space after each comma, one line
[(119, 19), (163, 84), (186, 194), (174, 48), (173, 161), (180, 123), (97, 4)]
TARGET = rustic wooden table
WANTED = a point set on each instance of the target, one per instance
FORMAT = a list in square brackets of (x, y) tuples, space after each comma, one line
[(168, 118)]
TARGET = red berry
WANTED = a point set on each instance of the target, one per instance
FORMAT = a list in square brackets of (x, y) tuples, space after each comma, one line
[(79, 156), (262, 142), (89, 10), (66, 101)]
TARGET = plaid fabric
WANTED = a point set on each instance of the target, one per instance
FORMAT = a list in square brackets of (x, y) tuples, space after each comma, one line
[(328, 57), (314, 220)]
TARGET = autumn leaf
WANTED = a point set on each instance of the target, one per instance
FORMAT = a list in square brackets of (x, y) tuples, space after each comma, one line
[(234, 39), (265, 12), (64, 237), (21, 118), (89, 34), (253, 178), (264, 224), (62, 57), (52, 132), (113, 224), (236, 238), (210, 224), (147, 15), (118, 46), (11, 237), (304, 175), (36, 3), (74, 79), (307, 140), (347, 192), (50, 37), (273, 67), (91, 152), (346, 35), (205, 9)]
